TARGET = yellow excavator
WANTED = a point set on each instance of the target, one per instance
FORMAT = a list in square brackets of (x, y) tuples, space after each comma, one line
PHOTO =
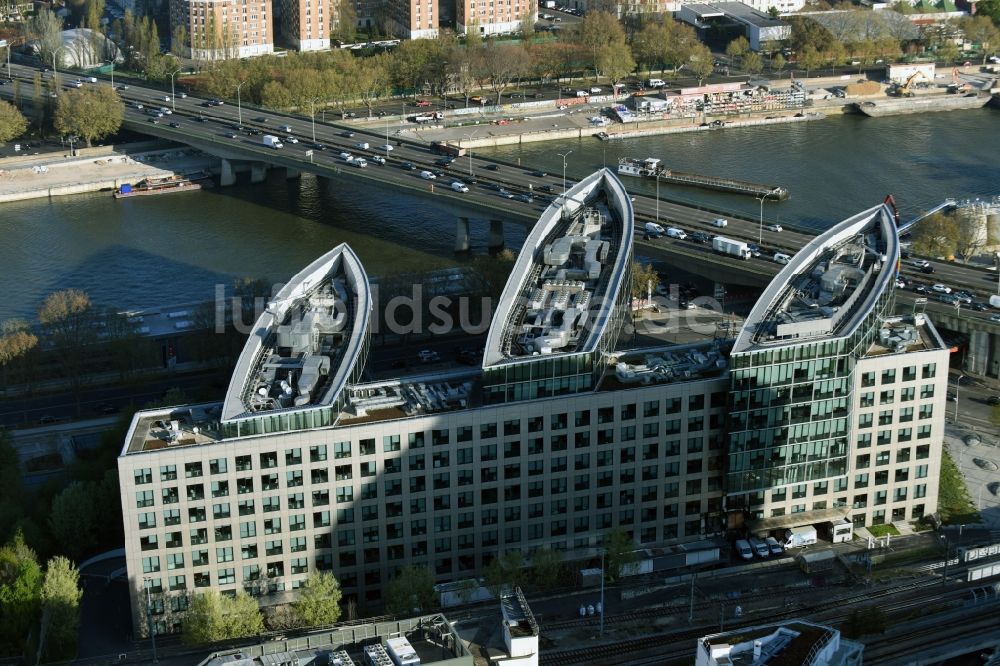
[(905, 89)]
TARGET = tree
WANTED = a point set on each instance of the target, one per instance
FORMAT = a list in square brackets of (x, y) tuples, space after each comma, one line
[(645, 280), (810, 58), (501, 63), (179, 44), (68, 320), (600, 29), (45, 28), (12, 123), (753, 63), (213, 617), (700, 63), (935, 236), (20, 594), (346, 22), (319, 600), (61, 595), (505, 572), (73, 519), (16, 341), (411, 591), (738, 48), (91, 113), (546, 564), (619, 552), (778, 63), (615, 62), (949, 52)]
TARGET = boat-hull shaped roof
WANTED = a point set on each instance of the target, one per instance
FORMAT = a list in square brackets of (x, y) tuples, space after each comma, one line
[(340, 264), (844, 319), (579, 197)]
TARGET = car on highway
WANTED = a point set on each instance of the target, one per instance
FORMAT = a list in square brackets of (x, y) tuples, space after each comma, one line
[(995, 318), (506, 194), (232, 135), (182, 95), (437, 172), (260, 119), (700, 237), (291, 139), (123, 87), (253, 131), (427, 175), (919, 263), (202, 119), (993, 400), (385, 147), (166, 98), (287, 129), (459, 186), (754, 249), (347, 134), (941, 288), (444, 161), (155, 121), (979, 306), (378, 159), (174, 123), (492, 167), (75, 84), (948, 299), (428, 356), (928, 269), (774, 227), (920, 288), (408, 166), (318, 146), (900, 283), (136, 105), (963, 295), (547, 188), (538, 174), (526, 198)]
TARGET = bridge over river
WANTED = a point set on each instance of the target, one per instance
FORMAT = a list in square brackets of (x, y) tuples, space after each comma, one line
[(318, 148)]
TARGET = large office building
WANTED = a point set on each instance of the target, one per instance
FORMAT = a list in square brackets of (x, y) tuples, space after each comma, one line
[(223, 29), (315, 462), (836, 405)]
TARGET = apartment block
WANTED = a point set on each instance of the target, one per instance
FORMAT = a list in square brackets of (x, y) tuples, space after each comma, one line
[(305, 24), (491, 17), (223, 29), (413, 19), (825, 406)]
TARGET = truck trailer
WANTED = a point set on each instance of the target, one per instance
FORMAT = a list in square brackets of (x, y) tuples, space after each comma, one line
[(800, 536), (733, 248)]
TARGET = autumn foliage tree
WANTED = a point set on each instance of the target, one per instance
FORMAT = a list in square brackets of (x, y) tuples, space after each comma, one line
[(91, 113), (12, 123)]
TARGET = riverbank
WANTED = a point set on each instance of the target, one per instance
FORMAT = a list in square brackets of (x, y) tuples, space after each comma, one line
[(45, 176)]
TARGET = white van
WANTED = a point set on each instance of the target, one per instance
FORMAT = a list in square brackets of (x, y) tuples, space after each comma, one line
[(775, 547), (656, 83), (363, 145), (760, 548), (654, 230), (743, 548), (459, 186), (781, 258), (582, 93), (720, 222), (674, 232)]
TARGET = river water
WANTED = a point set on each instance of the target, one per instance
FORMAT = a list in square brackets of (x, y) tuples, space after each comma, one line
[(167, 250)]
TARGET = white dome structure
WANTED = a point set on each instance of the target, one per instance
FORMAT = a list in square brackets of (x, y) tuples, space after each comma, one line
[(84, 48)]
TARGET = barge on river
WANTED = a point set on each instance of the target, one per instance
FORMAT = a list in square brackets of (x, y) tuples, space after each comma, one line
[(651, 168), (166, 185)]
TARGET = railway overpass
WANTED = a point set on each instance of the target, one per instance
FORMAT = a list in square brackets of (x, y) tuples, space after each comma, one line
[(222, 130)]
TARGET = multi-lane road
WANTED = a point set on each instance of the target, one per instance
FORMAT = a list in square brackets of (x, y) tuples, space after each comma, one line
[(497, 189)]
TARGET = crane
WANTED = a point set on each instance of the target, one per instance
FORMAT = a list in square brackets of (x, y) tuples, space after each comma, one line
[(895, 211)]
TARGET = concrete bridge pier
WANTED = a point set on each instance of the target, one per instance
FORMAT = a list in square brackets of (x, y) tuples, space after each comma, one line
[(292, 173), (227, 174), (977, 360), (462, 234), (258, 172), (496, 234)]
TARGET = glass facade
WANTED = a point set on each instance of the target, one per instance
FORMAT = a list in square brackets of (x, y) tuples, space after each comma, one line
[(791, 408)]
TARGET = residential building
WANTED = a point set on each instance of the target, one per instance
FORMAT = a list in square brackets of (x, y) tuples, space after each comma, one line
[(305, 24), (413, 19), (223, 29), (314, 461), (792, 642), (493, 18), (836, 406)]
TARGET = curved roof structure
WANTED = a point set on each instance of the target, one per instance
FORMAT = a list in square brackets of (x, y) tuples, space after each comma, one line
[(565, 284), (829, 287), (305, 345)]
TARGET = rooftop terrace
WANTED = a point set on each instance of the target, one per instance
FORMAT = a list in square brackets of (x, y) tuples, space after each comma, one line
[(794, 643), (566, 279), (829, 286)]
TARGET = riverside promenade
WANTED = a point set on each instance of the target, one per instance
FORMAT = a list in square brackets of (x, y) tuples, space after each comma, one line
[(60, 174)]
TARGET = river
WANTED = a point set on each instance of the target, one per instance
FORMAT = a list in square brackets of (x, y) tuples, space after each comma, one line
[(166, 250)]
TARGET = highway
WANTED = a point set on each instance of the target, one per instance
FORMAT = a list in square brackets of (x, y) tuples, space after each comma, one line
[(497, 190)]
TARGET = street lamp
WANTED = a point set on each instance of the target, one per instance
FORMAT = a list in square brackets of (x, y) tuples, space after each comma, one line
[(239, 104), (312, 103), (998, 271), (55, 71), (112, 63), (149, 616), (958, 383), (564, 156), (469, 137), (173, 97), (760, 233), (657, 197)]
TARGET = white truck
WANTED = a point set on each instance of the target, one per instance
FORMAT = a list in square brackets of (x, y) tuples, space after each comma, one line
[(733, 248), (427, 117), (797, 537), (654, 230), (272, 141), (995, 301)]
